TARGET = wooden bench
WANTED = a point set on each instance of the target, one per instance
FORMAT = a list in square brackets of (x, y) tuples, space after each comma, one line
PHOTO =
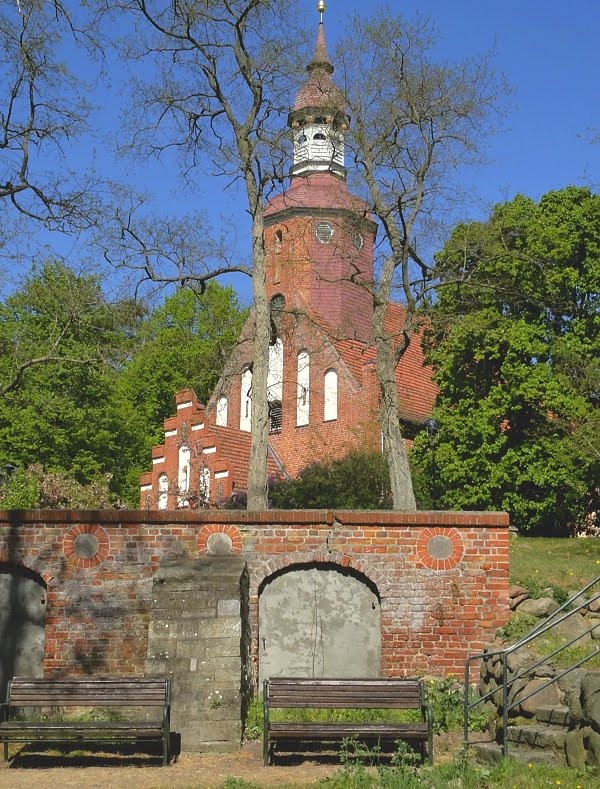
[(94, 692), (292, 692)]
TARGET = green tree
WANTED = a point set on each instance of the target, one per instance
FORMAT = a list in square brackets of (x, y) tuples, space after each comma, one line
[(61, 347), (358, 481), (183, 343), (515, 343)]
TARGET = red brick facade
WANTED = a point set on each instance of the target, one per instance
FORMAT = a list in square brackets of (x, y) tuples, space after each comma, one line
[(439, 600), (319, 244)]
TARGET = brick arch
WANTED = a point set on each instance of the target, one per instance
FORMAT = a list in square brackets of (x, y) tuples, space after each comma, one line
[(209, 529), (284, 563)]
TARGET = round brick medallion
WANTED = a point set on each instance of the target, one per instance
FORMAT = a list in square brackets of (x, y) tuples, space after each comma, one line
[(219, 544), (219, 539), (440, 548), (86, 545)]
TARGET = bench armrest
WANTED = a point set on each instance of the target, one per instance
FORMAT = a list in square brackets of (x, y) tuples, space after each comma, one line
[(4, 708)]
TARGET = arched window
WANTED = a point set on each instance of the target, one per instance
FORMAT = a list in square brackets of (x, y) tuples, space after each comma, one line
[(205, 485), (163, 492), (246, 401), (278, 241), (319, 136), (222, 411), (183, 478), (302, 404), (330, 409), (275, 384)]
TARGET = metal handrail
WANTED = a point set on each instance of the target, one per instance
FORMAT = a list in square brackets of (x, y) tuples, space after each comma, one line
[(540, 629)]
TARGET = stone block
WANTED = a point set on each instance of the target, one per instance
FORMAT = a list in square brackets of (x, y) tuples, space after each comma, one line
[(550, 695), (590, 699), (228, 608), (223, 647), (575, 749), (594, 748), (543, 606)]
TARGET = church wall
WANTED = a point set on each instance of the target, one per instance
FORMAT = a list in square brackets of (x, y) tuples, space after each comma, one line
[(442, 577)]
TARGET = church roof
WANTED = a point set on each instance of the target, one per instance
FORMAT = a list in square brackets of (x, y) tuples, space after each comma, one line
[(319, 91), (317, 190)]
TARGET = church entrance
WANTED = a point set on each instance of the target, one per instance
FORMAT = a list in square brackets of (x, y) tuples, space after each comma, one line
[(319, 620)]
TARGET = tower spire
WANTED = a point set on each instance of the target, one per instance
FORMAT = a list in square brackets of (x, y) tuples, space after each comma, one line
[(319, 117)]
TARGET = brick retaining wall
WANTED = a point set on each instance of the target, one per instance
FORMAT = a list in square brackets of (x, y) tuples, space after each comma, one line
[(442, 577)]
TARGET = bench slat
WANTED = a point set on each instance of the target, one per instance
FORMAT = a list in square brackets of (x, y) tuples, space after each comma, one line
[(334, 693), (92, 692)]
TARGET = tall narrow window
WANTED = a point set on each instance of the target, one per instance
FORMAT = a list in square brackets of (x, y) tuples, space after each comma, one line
[(275, 385), (222, 411), (163, 492), (330, 410), (183, 478), (246, 401), (205, 485), (302, 404)]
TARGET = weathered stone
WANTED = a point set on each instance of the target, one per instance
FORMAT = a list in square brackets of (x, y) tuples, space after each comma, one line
[(575, 749), (517, 591), (594, 605), (590, 698), (549, 695), (544, 671), (572, 627), (548, 591), (515, 602), (519, 660), (594, 748), (543, 606), (557, 716)]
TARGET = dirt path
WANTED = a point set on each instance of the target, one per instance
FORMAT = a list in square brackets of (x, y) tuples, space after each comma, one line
[(192, 771)]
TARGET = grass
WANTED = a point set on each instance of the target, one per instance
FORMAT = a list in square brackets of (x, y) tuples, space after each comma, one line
[(565, 564)]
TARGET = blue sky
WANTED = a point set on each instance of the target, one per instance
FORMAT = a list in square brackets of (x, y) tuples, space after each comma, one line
[(549, 52)]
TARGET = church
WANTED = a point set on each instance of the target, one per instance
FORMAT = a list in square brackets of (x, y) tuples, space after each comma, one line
[(322, 388)]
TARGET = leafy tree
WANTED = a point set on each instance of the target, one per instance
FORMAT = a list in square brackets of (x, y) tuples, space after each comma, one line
[(182, 343), (34, 488), (416, 122), (515, 343), (358, 481), (62, 414)]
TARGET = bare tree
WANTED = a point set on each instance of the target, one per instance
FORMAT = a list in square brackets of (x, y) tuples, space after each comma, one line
[(215, 88), (42, 109), (415, 121)]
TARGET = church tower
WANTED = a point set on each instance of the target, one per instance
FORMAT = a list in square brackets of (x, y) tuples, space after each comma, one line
[(319, 238)]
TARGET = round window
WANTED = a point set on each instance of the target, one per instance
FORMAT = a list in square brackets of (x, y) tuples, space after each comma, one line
[(358, 240), (324, 232)]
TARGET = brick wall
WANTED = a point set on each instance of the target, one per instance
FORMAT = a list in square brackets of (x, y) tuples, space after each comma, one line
[(442, 577)]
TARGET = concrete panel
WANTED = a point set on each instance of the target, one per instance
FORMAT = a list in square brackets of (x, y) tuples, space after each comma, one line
[(319, 622), (22, 621)]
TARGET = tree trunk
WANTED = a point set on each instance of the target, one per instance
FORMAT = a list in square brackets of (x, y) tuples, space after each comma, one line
[(403, 497), (257, 472)]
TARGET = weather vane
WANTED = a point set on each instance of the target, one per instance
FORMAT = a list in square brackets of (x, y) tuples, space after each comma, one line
[(320, 9)]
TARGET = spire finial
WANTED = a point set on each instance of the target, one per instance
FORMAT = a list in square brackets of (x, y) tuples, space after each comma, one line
[(320, 8)]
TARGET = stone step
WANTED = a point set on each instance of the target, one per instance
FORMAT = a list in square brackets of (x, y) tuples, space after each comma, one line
[(491, 753), (538, 736), (557, 716)]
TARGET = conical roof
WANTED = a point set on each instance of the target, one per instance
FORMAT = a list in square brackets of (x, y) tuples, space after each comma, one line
[(319, 90)]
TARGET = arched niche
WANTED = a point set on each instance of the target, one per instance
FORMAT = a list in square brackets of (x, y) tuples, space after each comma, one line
[(316, 620), (22, 623)]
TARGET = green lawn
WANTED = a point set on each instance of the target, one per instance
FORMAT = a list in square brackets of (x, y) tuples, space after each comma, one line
[(567, 564)]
